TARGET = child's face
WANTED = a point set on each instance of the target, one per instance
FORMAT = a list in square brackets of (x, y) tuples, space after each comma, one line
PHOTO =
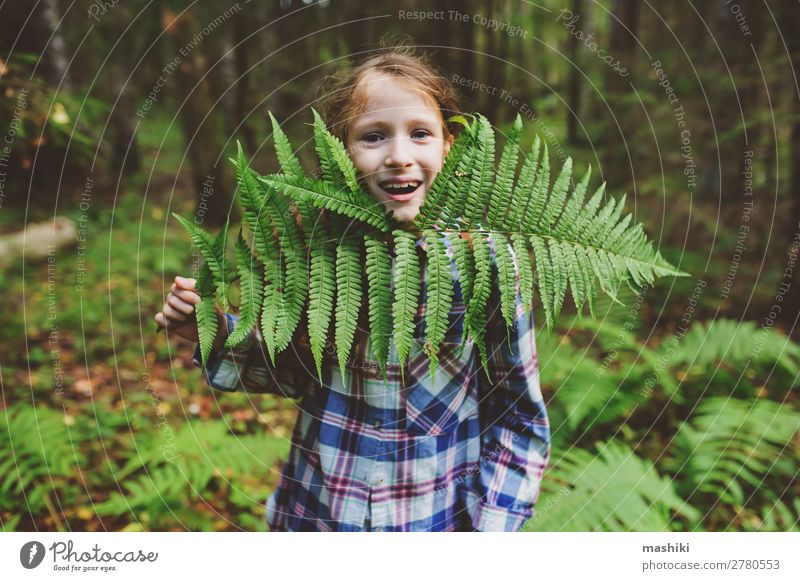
[(398, 145)]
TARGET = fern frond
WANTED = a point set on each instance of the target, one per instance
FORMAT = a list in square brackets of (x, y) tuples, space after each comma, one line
[(735, 343), (287, 159), (204, 242), (295, 263), (406, 293), (523, 188), (504, 184), (227, 268), (580, 278), (537, 201), (323, 289), (731, 443), (439, 298), (252, 292), (614, 490), (453, 215), (577, 247), (323, 194), (555, 200), (465, 265), (482, 175), (336, 156), (257, 216), (379, 294), (586, 217), (348, 298), (206, 312), (560, 275), (481, 289), (207, 286), (525, 268), (274, 309), (545, 276), (565, 227), (38, 453), (213, 251), (290, 166), (266, 212), (446, 183), (331, 172), (506, 277)]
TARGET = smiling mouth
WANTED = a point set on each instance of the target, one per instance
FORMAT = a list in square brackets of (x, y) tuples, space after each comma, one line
[(402, 190)]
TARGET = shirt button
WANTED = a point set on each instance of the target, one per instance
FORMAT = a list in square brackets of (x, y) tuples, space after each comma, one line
[(377, 425)]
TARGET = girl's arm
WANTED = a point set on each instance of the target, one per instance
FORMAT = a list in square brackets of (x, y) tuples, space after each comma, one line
[(247, 367), (515, 432)]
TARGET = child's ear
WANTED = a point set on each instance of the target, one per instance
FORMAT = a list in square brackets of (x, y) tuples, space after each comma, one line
[(448, 142)]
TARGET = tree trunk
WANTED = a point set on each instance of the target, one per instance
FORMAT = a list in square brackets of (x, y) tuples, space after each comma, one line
[(623, 46), (574, 82), (125, 158), (468, 44), (209, 168), (789, 20), (244, 25), (57, 59)]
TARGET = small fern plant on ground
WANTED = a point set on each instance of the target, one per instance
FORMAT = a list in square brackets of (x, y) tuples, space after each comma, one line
[(306, 243)]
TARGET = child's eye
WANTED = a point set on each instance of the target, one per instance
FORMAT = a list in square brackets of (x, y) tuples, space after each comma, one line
[(372, 137), (420, 134)]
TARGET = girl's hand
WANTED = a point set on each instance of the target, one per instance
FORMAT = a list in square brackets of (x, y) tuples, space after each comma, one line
[(178, 314)]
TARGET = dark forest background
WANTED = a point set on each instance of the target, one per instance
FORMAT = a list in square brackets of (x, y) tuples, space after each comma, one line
[(115, 114)]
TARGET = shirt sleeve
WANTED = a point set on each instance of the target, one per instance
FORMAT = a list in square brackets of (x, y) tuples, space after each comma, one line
[(515, 431), (247, 368)]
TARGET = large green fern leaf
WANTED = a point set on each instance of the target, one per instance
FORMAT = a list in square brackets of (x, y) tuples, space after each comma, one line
[(325, 195), (445, 186), (323, 289), (406, 293), (614, 490), (348, 298), (439, 297), (379, 289), (506, 170), (252, 292)]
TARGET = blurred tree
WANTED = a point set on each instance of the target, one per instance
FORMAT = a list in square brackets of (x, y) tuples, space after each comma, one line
[(498, 54), (788, 18), (56, 53), (246, 28), (123, 89), (789, 22), (199, 121), (735, 94), (575, 80), (624, 25)]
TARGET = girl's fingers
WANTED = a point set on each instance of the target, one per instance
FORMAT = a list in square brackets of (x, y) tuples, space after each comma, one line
[(187, 296), (173, 314), (180, 305), (184, 283)]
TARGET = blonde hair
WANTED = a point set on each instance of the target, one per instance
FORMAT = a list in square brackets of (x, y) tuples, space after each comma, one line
[(346, 97)]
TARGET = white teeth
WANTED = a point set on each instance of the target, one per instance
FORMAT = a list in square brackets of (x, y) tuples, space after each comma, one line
[(401, 186)]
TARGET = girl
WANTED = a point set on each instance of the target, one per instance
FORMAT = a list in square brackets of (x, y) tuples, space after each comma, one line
[(456, 453)]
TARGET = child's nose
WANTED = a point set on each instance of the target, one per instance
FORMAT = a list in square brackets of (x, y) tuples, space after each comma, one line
[(399, 153)]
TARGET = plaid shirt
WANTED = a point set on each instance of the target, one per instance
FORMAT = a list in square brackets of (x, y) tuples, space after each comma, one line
[(456, 453)]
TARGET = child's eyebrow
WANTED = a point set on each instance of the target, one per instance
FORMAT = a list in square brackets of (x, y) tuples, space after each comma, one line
[(363, 125)]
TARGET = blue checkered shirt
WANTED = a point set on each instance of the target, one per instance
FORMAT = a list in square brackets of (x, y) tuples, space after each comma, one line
[(457, 452)]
